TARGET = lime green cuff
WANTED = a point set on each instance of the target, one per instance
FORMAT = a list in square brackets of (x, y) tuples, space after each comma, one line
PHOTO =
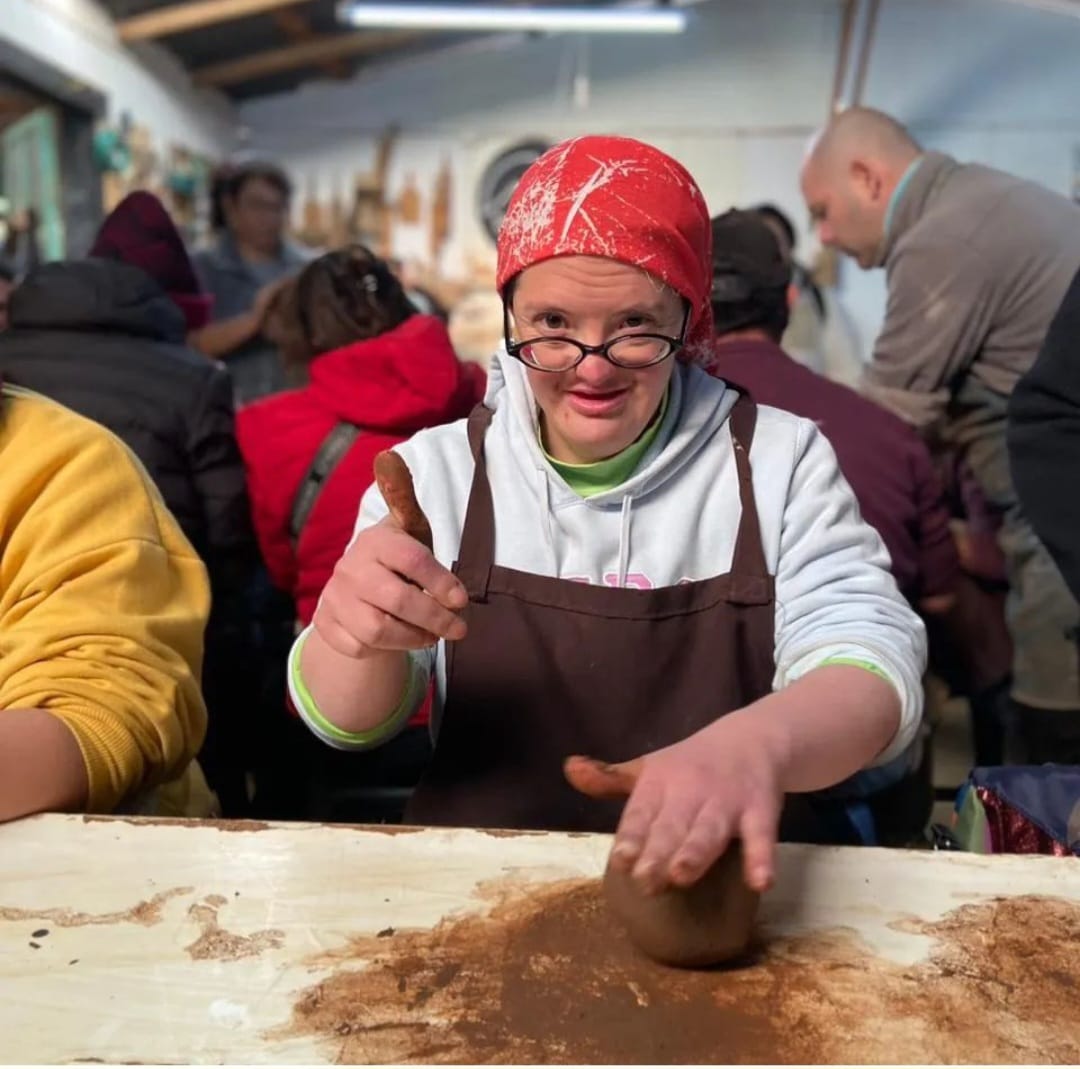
[(302, 696), (855, 662)]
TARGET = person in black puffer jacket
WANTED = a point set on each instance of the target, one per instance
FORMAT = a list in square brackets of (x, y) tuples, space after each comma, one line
[(105, 336)]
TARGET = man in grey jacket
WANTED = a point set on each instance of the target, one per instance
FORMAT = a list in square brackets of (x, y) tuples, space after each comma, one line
[(977, 262)]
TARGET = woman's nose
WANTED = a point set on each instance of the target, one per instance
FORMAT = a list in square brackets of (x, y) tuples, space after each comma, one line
[(595, 369)]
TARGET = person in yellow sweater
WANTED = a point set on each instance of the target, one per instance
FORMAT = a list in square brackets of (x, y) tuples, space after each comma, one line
[(102, 609)]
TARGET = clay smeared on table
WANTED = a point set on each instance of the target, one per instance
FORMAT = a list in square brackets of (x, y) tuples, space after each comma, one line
[(708, 923)]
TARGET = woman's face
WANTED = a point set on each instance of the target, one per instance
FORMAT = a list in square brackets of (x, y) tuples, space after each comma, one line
[(596, 409)]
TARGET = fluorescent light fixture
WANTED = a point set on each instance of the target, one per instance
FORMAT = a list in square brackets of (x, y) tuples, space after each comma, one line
[(484, 18)]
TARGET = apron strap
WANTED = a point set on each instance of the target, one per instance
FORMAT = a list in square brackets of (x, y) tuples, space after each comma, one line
[(476, 554), (750, 580)]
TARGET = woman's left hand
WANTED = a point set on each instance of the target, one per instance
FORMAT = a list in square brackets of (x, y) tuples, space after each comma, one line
[(688, 801)]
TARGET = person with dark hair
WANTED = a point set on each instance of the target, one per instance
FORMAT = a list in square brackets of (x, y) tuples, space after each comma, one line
[(249, 262), (375, 371), (886, 463), (106, 337)]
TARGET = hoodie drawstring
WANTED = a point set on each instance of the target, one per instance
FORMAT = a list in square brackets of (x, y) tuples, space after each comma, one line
[(545, 509), (624, 541)]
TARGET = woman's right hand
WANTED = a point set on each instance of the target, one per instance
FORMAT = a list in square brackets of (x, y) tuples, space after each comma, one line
[(388, 592)]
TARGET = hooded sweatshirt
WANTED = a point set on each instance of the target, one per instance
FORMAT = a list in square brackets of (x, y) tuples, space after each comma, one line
[(390, 387), (673, 520)]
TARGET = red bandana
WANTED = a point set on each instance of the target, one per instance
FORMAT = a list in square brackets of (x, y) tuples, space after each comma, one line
[(621, 199)]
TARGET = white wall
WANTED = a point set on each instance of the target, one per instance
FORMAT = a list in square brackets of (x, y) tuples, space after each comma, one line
[(78, 37), (734, 99)]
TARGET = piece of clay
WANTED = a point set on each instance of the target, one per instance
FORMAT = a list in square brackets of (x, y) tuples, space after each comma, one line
[(705, 924), (396, 486)]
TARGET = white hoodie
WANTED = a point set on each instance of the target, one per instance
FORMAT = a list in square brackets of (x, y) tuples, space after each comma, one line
[(676, 519)]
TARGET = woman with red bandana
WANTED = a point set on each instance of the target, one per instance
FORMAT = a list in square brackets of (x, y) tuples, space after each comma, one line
[(631, 562)]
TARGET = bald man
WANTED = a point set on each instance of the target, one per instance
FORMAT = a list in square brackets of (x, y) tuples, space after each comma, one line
[(977, 262)]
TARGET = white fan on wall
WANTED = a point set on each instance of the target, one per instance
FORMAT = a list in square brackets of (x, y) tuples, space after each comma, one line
[(500, 177)]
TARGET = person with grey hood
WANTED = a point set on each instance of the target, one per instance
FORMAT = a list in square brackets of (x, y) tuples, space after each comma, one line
[(977, 262), (632, 584)]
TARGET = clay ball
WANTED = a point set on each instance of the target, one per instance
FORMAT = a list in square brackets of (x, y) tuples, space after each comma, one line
[(706, 924)]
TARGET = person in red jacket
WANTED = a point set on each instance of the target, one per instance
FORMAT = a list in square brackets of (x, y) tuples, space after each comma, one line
[(374, 371), (377, 372)]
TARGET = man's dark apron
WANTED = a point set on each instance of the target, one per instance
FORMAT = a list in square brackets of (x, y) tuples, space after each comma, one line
[(552, 668)]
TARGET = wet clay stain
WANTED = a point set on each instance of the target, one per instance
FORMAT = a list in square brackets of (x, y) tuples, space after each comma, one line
[(549, 978), (216, 944), (147, 913)]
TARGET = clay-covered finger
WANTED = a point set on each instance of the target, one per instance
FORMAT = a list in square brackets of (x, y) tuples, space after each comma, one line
[(396, 486), (599, 779)]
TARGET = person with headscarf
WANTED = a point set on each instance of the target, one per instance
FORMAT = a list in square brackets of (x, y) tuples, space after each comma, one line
[(105, 337), (640, 583)]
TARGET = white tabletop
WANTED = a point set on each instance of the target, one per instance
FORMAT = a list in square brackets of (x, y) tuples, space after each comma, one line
[(149, 941)]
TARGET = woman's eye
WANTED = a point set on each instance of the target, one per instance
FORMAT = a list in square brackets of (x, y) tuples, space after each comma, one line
[(552, 321), (634, 322)]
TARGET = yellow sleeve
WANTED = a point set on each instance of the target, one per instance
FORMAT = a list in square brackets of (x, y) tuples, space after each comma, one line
[(103, 603)]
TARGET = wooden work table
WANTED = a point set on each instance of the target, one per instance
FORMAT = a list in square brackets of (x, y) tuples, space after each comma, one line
[(148, 941)]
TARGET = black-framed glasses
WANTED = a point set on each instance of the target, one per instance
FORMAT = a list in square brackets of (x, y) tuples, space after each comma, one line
[(557, 353)]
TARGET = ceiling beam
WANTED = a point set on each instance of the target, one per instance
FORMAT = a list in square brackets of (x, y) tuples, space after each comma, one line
[(193, 15), (296, 27), (303, 54)]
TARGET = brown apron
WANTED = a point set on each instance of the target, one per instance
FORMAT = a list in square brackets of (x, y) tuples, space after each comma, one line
[(551, 668)]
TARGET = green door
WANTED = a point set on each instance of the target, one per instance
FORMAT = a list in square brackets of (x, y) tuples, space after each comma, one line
[(30, 150)]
